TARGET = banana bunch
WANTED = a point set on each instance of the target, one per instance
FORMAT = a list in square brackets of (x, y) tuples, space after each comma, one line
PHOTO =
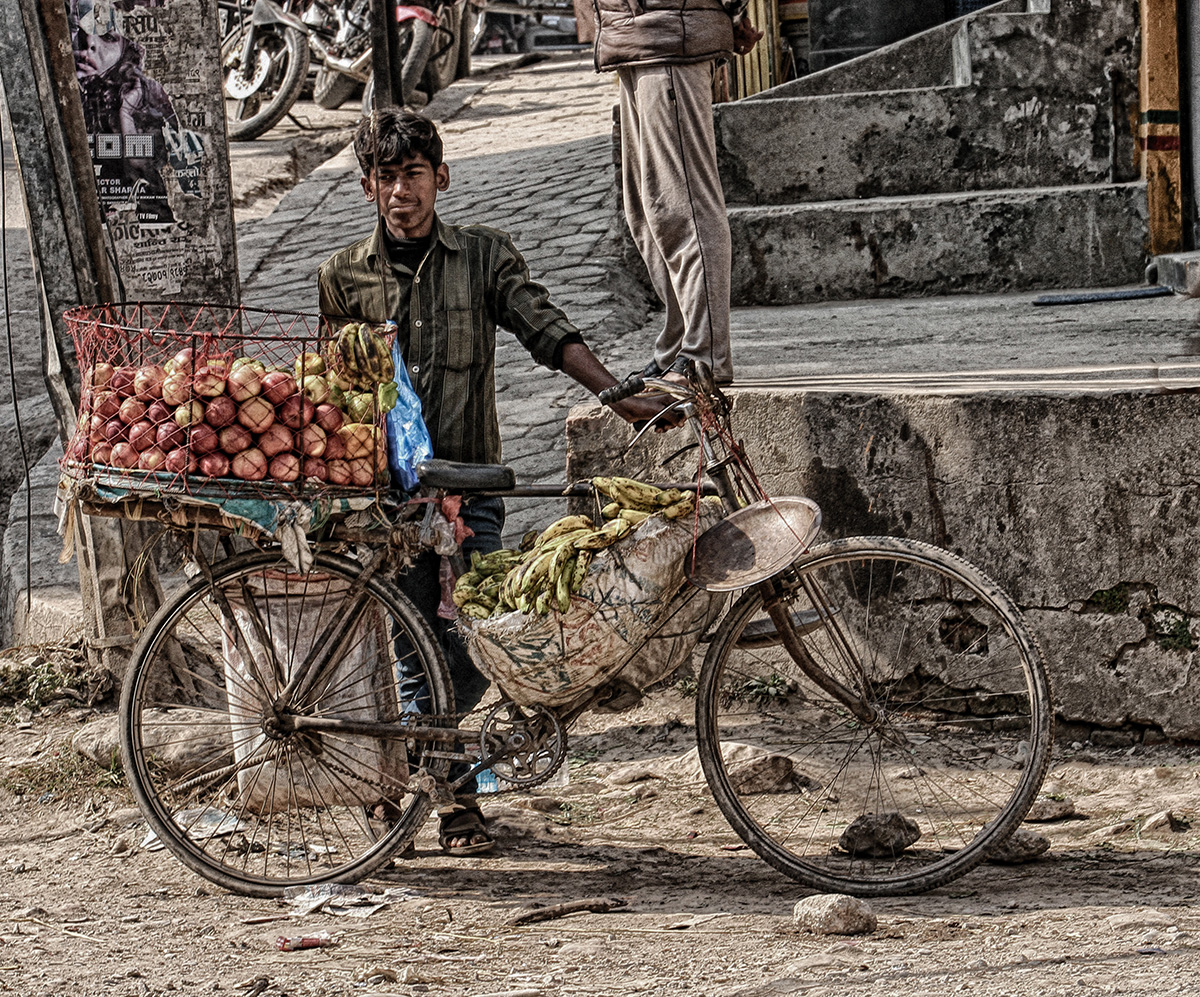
[(636, 501), (477, 592), (361, 356), (539, 579)]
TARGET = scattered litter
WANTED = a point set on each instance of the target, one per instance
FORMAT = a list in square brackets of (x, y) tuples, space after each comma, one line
[(342, 899), (739, 847), (1151, 950), (320, 940), (201, 826)]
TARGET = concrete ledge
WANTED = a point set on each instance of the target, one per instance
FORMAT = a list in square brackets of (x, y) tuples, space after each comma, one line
[(1089, 236), (910, 142), (1095, 531)]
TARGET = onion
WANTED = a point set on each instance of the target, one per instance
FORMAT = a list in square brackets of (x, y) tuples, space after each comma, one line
[(249, 465), (180, 460), (203, 438), (312, 441), (296, 411), (115, 430), (170, 435), (243, 381), (362, 472), (335, 449), (329, 418), (284, 467), (220, 411), (209, 381), (278, 385), (190, 413), (122, 381), (256, 414), (106, 404), (132, 409), (124, 455), (314, 467), (339, 472), (234, 439), (214, 465), (101, 374), (152, 459), (276, 439), (95, 427), (148, 382), (183, 362), (142, 434), (177, 388), (160, 411), (80, 445), (102, 453)]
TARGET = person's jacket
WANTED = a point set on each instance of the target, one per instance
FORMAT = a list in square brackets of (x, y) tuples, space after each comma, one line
[(663, 32)]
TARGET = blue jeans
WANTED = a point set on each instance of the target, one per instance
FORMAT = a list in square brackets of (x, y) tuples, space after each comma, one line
[(421, 583)]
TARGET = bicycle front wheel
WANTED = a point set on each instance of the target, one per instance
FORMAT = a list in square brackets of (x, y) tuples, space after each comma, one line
[(245, 716), (926, 753)]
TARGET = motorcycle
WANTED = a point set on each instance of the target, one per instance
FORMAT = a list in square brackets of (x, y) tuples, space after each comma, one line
[(265, 59), (434, 49)]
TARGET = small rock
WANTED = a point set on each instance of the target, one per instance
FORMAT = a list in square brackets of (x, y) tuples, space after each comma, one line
[(1111, 830), (1046, 808), (879, 835), (1023, 846), (376, 974), (1164, 820), (834, 914), (544, 804), (644, 791), (763, 774), (1146, 917), (977, 964), (910, 773), (122, 846)]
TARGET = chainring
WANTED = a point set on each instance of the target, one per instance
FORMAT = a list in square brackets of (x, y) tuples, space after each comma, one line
[(530, 741)]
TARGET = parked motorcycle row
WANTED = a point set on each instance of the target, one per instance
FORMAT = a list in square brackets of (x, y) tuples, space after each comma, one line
[(269, 46)]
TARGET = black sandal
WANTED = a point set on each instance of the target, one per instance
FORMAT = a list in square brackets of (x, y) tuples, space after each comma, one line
[(465, 821)]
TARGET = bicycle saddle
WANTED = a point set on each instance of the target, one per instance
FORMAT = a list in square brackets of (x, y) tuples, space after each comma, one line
[(456, 477)]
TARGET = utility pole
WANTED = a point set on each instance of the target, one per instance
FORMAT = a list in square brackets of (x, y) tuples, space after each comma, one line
[(387, 61), (189, 246)]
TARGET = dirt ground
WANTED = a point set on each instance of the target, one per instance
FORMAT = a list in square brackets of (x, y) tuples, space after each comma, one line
[(85, 909)]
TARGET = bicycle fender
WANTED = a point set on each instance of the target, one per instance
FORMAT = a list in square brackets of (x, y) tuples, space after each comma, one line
[(404, 13)]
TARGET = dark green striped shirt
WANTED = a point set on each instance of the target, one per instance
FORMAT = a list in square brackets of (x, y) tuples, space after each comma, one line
[(471, 281)]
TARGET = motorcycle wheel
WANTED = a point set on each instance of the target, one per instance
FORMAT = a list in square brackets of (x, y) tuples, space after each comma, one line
[(332, 89), (259, 95), (416, 41), (442, 68)]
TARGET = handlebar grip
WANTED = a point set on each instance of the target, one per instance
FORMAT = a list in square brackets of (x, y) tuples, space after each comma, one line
[(618, 392)]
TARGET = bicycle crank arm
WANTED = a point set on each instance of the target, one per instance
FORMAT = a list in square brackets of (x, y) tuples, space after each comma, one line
[(389, 729)]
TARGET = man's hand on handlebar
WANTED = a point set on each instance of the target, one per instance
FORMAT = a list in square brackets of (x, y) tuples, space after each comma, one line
[(641, 409)]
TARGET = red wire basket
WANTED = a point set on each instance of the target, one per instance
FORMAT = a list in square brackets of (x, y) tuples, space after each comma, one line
[(214, 401)]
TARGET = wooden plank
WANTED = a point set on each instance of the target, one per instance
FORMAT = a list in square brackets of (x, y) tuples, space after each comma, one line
[(1158, 124)]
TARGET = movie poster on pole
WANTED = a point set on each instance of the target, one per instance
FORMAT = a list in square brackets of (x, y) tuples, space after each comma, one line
[(150, 79)]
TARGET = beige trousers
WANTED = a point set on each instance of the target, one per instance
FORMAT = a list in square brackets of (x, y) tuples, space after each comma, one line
[(675, 207)]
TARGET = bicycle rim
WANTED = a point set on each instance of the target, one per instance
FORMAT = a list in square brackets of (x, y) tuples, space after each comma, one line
[(222, 782), (948, 761)]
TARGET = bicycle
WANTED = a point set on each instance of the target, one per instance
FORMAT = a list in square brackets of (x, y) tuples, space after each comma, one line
[(873, 716)]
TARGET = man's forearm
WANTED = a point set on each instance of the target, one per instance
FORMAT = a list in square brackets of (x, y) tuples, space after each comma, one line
[(581, 364)]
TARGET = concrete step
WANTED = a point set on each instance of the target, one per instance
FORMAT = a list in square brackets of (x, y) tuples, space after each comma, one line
[(922, 60), (1083, 236), (932, 140)]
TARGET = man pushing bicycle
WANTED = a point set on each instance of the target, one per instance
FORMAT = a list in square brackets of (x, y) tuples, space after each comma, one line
[(448, 288)]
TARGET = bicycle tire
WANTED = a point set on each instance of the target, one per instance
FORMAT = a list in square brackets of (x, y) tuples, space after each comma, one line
[(283, 76), (332, 89), (229, 791), (958, 747)]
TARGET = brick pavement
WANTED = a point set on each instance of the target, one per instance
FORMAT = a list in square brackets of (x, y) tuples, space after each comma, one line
[(530, 152)]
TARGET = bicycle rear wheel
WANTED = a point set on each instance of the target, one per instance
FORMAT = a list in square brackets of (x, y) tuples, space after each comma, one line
[(953, 735), (226, 773)]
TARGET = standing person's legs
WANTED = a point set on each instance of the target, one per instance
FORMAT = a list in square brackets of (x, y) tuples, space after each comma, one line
[(676, 208), (462, 825)]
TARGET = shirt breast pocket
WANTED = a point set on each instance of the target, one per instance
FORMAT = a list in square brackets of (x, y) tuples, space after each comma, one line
[(460, 338)]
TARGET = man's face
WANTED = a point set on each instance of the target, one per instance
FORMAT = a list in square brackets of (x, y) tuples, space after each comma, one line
[(406, 193)]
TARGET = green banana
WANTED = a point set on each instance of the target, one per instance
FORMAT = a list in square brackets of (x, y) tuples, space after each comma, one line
[(565, 525), (611, 511), (583, 560), (634, 517), (562, 589), (684, 507)]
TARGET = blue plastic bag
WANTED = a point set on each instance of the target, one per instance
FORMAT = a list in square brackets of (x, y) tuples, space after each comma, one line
[(408, 441)]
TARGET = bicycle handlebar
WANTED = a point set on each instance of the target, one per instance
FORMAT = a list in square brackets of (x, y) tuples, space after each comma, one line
[(618, 392)]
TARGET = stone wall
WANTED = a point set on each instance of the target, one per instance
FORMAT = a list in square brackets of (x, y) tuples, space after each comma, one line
[(1085, 507)]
